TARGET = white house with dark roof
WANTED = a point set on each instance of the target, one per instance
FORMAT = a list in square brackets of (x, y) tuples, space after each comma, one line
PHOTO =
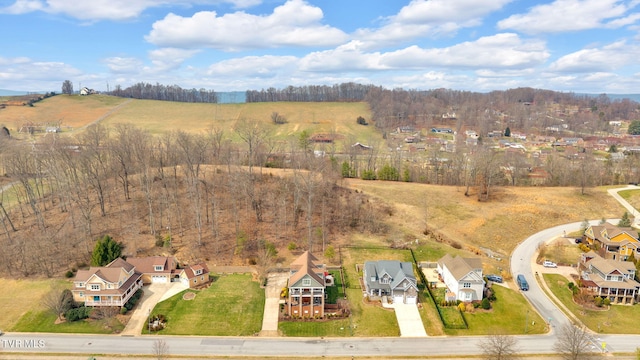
[(391, 278), (110, 285), (462, 276), (306, 287)]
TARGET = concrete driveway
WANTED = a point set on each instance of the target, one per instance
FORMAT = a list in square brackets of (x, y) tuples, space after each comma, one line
[(409, 320), (153, 294), (275, 283)]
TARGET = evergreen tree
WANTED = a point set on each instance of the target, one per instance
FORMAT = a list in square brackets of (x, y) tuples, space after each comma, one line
[(625, 221), (507, 132), (105, 251)]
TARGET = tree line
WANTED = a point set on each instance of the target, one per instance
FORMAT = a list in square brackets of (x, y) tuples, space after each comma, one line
[(158, 91)]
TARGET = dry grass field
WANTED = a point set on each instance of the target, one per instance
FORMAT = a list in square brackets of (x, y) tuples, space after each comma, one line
[(512, 215), (20, 296)]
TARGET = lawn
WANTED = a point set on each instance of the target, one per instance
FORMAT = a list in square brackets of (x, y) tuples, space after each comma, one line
[(328, 328), (617, 319), (44, 321), (232, 306), (511, 314), (21, 297)]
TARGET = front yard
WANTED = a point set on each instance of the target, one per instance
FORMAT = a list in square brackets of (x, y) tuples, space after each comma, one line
[(618, 319), (232, 306)]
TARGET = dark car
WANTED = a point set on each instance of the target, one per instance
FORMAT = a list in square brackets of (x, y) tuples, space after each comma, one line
[(494, 278), (578, 240)]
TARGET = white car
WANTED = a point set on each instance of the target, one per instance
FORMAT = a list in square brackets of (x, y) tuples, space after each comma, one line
[(549, 264)]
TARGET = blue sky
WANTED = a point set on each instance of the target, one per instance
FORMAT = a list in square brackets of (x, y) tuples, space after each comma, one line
[(226, 45)]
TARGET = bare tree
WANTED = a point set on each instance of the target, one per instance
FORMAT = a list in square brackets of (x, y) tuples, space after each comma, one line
[(67, 87), (573, 342), (160, 349), (58, 301), (498, 346)]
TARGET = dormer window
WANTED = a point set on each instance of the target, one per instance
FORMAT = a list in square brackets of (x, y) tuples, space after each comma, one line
[(198, 272), (158, 267), (95, 287)]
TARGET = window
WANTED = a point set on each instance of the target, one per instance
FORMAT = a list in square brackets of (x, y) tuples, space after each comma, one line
[(306, 282), (158, 267), (198, 272), (466, 285), (95, 287), (81, 294)]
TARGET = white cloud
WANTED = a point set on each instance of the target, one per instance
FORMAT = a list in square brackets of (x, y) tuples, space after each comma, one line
[(25, 74), (501, 51), (571, 15), (429, 18), (607, 58), (253, 66), (166, 59), (117, 10), (123, 65), (294, 23)]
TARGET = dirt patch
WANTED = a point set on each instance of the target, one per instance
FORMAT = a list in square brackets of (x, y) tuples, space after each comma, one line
[(189, 296)]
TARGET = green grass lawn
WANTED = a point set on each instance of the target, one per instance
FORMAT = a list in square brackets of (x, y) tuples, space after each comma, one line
[(44, 321), (618, 319), (328, 328), (232, 306), (509, 314), (370, 319)]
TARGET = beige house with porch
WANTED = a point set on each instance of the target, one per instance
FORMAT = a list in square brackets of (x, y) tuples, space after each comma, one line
[(110, 285)]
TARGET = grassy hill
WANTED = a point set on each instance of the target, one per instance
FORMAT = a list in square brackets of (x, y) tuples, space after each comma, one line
[(159, 117)]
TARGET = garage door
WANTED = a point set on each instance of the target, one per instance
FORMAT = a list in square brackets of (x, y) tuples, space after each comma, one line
[(157, 279), (398, 299), (410, 300)]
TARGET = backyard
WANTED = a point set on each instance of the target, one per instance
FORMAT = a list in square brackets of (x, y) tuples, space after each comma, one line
[(616, 319), (232, 306)]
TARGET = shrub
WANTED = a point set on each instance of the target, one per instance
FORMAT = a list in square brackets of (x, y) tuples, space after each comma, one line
[(292, 246), (76, 314), (571, 285), (68, 274), (606, 302), (598, 301), (462, 307), (486, 304)]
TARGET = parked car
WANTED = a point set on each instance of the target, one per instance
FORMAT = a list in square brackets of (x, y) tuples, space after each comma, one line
[(549, 264), (578, 240), (494, 278)]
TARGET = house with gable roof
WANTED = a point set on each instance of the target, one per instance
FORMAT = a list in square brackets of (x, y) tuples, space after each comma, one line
[(462, 276), (391, 278), (306, 287), (609, 278), (154, 269), (613, 242), (110, 285)]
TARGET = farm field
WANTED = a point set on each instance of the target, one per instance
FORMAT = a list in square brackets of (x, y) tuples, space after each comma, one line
[(160, 117)]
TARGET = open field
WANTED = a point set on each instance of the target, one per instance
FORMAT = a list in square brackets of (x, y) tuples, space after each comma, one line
[(561, 251), (232, 306), (21, 296), (512, 215), (160, 117), (618, 319)]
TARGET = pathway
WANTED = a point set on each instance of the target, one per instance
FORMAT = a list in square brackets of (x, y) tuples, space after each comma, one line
[(275, 283), (632, 211)]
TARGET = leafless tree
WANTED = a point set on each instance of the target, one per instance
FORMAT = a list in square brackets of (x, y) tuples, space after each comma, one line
[(498, 346), (160, 349), (573, 342), (58, 301)]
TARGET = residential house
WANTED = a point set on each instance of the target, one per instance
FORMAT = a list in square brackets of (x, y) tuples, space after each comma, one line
[(110, 285), (307, 282), (391, 278), (462, 276), (194, 275), (609, 278), (155, 269), (613, 242)]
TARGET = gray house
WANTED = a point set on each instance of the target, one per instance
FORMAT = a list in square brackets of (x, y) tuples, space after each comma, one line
[(391, 278)]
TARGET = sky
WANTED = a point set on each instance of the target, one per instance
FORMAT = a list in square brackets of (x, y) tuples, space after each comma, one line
[(582, 46)]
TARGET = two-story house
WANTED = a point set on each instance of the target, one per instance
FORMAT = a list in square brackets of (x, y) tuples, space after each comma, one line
[(110, 285), (609, 278), (306, 287), (391, 278), (613, 242), (462, 276)]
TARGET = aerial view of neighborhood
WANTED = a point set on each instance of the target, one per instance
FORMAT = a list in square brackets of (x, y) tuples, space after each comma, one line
[(298, 179)]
